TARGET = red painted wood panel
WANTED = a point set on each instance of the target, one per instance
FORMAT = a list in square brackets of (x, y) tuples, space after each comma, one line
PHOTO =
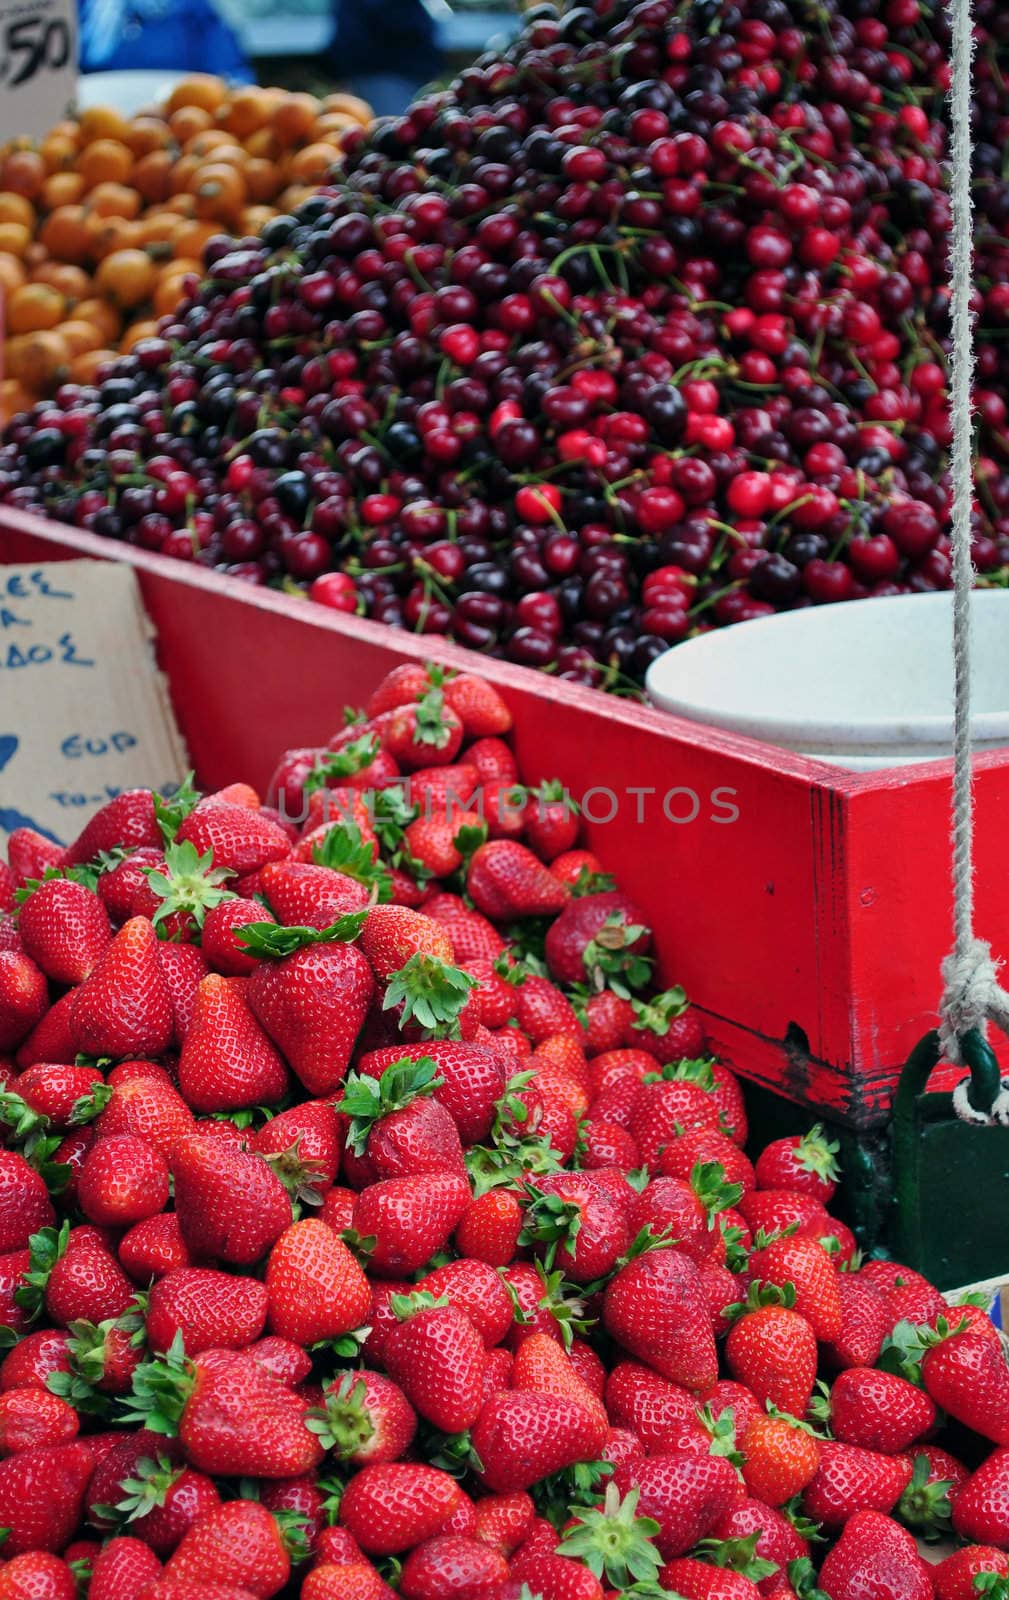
[(809, 930)]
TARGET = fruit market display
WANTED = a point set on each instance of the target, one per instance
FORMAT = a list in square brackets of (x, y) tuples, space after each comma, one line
[(103, 222), (370, 1226), (639, 327)]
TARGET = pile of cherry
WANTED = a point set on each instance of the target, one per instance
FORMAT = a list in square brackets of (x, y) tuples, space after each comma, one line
[(369, 1225), (639, 328)]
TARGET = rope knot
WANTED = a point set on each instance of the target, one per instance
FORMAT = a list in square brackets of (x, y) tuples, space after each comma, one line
[(972, 998)]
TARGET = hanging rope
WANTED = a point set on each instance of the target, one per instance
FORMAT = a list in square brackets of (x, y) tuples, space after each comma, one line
[(972, 995)]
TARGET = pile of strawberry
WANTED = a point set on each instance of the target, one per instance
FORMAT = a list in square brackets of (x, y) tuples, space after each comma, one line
[(369, 1226)]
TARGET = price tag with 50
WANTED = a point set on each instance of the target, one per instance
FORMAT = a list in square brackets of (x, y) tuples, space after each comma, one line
[(38, 65)]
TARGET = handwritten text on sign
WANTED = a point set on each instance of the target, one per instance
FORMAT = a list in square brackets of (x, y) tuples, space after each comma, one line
[(38, 65), (83, 711)]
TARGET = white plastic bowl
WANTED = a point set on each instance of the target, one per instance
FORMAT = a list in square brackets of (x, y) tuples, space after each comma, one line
[(866, 684)]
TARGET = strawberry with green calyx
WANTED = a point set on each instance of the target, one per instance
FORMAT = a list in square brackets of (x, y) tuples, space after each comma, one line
[(437, 1357), (807, 1266), (160, 1501), (103, 1357), (737, 1555), (172, 809), (313, 998), (771, 1348), (872, 1544), (546, 1302), (365, 1417), (613, 1541), (63, 925), (878, 1410), (551, 820), (903, 1349), (971, 1572), (51, 1095), (344, 851), (46, 1248), (805, 1162), (655, 1307), (334, 767), (506, 881), (926, 1506), (227, 1063), (781, 1456), (179, 893), (967, 1375), (232, 1417), (425, 734), (366, 1099), (602, 940), (431, 994)]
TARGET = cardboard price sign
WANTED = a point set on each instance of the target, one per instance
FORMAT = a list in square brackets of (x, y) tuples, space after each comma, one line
[(38, 65), (83, 711)]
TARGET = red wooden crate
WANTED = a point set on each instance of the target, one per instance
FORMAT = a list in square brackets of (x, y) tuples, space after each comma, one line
[(809, 930)]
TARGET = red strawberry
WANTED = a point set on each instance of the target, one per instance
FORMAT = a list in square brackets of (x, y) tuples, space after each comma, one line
[(122, 1181), (239, 1543), (219, 939), (607, 1017), (851, 1479), (489, 1228), (42, 1496), (474, 939), (696, 1580), (313, 1004), (147, 1104), (238, 838), (478, 705), (476, 1289), (651, 1407), (227, 1061), (306, 1138), (680, 1157), (67, 1096), (37, 1575), (51, 1039), (403, 686), (543, 1011), (29, 854), (24, 997), (595, 938), (778, 1541), (522, 1437), (772, 1349), (230, 1203), (437, 1357), (126, 822), (409, 1219), (448, 1565), (441, 842), (584, 1228), (122, 1568), (967, 1375), (231, 1415), (685, 1493), (119, 885), (184, 969), (393, 934), (29, 1362), (981, 1507), (303, 894), (662, 1110), (655, 1308), (807, 1266), (493, 760), (505, 881), (878, 1410), (315, 1286), (781, 1458), (25, 1206), (209, 1310), (473, 1079), (124, 1008), (542, 1366), (875, 1556), (393, 1506), (667, 1026), (366, 1417), (804, 1162), (78, 1277), (936, 1480), (352, 1580), (954, 1577), (775, 1210), (427, 733), (33, 1417), (64, 928)]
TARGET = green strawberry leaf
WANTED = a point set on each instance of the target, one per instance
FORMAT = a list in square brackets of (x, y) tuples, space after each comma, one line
[(405, 1306), (304, 1179), (160, 1390), (802, 1577), (759, 1295), (346, 762), (431, 993), (737, 1555), (469, 839), (557, 1496), (431, 724), (657, 1014), (614, 1542), (45, 1248), (17, 1114), (713, 1189), (722, 1431), (344, 850), (588, 882), (189, 883), (171, 810), (550, 1220), (610, 961), (366, 1100), (343, 1424), (85, 874), (925, 1507), (815, 1153), (270, 939), (88, 1106)]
